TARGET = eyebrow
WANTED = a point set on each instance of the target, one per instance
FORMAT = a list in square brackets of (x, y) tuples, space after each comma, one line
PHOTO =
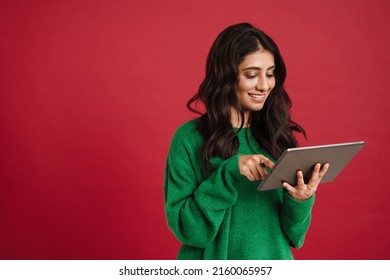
[(257, 68)]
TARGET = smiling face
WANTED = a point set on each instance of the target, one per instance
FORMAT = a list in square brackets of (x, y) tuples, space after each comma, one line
[(255, 82)]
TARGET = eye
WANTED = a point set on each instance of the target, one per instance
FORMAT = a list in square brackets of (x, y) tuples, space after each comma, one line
[(250, 76), (270, 75)]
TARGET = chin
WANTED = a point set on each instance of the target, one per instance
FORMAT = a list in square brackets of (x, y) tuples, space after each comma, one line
[(257, 108)]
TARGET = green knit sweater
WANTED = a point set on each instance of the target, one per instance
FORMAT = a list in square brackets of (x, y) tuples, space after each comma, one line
[(222, 215)]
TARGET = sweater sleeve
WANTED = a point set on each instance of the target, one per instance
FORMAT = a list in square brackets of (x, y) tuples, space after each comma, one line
[(194, 209), (295, 218)]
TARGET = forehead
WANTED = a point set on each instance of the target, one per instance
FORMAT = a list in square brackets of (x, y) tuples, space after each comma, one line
[(261, 59)]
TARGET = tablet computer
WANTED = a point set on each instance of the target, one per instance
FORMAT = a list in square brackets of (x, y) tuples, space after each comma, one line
[(304, 158)]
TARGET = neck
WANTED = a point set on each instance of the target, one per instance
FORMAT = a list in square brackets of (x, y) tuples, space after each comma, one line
[(235, 118)]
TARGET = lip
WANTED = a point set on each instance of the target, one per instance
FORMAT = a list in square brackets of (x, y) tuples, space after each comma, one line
[(257, 97)]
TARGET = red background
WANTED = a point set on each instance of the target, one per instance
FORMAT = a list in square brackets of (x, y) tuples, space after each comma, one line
[(92, 91)]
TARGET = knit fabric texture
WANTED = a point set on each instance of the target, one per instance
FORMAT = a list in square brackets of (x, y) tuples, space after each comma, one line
[(221, 215)]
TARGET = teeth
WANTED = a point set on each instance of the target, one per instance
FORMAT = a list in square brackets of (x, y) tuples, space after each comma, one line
[(256, 96)]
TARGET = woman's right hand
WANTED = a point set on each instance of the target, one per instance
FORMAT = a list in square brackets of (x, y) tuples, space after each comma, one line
[(253, 166)]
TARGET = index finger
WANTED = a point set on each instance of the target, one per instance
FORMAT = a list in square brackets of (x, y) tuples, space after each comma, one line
[(269, 163), (266, 162)]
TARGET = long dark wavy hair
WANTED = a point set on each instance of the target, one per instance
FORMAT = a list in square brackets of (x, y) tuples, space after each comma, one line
[(272, 126)]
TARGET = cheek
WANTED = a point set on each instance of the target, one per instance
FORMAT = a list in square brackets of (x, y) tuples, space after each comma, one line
[(245, 85), (272, 84)]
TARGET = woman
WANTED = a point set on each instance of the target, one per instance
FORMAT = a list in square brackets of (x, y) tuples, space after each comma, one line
[(216, 161)]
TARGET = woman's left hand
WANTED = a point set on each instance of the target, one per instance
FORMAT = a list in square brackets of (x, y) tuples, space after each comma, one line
[(304, 191)]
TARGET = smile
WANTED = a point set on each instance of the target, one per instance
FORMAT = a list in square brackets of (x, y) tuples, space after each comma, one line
[(258, 97)]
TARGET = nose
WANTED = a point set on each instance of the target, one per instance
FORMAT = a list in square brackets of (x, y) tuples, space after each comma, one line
[(262, 85)]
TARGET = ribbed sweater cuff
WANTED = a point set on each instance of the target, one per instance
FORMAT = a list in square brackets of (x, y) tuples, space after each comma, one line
[(298, 208)]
